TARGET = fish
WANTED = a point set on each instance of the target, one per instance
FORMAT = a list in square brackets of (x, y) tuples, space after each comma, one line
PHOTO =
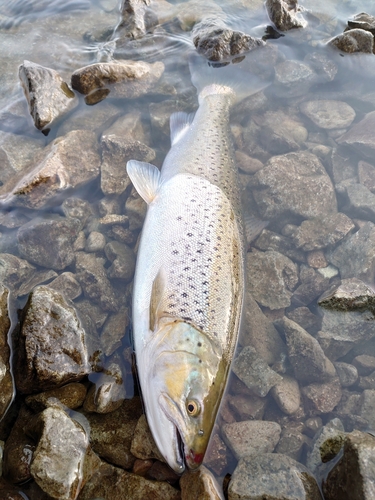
[(189, 281)]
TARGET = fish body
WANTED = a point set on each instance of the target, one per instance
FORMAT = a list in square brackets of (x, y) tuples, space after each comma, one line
[(189, 282)]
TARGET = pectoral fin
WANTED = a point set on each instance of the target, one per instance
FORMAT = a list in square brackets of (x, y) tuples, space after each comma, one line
[(156, 299), (145, 178)]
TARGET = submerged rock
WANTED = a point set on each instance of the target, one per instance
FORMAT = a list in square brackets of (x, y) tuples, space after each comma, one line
[(285, 14), (328, 114), (125, 79), (272, 476), (136, 18), (52, 346), (361, 135), (351, 295), (6, 379), (14, 271), (48, 96), (108, 392), (355, 40)]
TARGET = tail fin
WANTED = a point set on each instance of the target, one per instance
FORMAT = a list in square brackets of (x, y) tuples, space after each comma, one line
[(237, 79)]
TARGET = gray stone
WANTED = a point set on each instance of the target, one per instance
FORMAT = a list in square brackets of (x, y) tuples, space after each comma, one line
[(292, 442), (361, 202), (114, 330), (305, 318), (136, 18), (271, 278), (247, 407), (366, 175), (143, 445), (328, 114), (251, 437), (52, 346), (361, 135), (14, 271), (268, 240), (93, 279), (367, 408), (325, 67), (48, 96), (38, 278), (313, 284), (321, 398), (353, 476), (67, 285), (62, 461), (285, 14), (125, 79), (69, 162), (77, 208), (351, 295), (48, 242), (312, 425), (136, 209), (347, 373), (355, 40), (318, 233), (95, 242), (123, 261), (295, 183), (355, 255), (293, 78), (367, 382), (108, 392), (364, 363), (254, 372), (305, 354), (287, 395), (201, 484), (246, 163), (341, 166), (272, 476)]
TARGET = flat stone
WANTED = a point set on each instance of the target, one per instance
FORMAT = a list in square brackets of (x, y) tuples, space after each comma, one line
[(254, 372), (125, 79), (361, 135), (70, 395), (48, 96), (285, 14), (348, 374), (287, 395), (48, 242), (328, 114), (52, 346), (272, 476), (271, 278), (315, 234), (295, 183), (62, 461), (353, 476), (200, 484), (251, 437), (355, 40), (355, 255), (321, 398), (69, 162)]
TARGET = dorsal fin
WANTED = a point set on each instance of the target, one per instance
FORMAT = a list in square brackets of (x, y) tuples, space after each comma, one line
[(179, 125), (145, 178)]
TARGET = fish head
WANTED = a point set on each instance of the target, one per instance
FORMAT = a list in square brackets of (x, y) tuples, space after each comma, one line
[(188, 379)]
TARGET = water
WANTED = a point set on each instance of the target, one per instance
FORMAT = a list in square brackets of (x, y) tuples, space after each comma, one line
[(66, 39)]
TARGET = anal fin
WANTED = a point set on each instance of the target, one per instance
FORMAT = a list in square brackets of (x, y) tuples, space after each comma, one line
[(179, 125)]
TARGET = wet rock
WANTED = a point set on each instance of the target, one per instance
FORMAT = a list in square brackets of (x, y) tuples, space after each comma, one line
[(251, 437), (125, 79), (247, 407), (305, 318), (312, 426), (136, 18), (366, 175), (123, 261), (280, 133), (285, 14), (95, 242), (52, 346), (366, 409), (365, 364), (254, 372), (272, 475), (362, 21), (6, 379), (328, 114), (305, 354), (348, 374), (64, 446), (48, 242), (341, 166), (112, 433), (361, 136), (143, 445), (247, 164), (108, 392), (367, 382), (92, 277), (321, 398), (91, 314), (38, 278), (70, 395), (326, 444), (217, 455), (67, 285), (287, 395), (18, 450), (268, 240), (200, 484), (271, 278), (14, 271), (113, 483), (315, 234), (295, 183), (292, 442), (136, 209), (356, 254), (355, 40), (141, 467), (69, 162), (353, 476), (114, 330), (323, 65), (217, 42), (77, 208), (48, 96), (293, 78), (361, 202), (312, 285), (260, 333)]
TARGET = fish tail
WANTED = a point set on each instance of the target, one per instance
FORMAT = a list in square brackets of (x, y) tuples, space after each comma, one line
[(234, 80)]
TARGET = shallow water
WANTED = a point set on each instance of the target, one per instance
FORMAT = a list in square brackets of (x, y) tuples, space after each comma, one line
[(82, 32)]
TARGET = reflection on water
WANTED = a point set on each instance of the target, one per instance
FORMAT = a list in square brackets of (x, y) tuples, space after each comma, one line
[(70, 226)]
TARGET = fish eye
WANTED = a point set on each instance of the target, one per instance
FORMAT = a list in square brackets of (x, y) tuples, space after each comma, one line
[(193, 408)]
